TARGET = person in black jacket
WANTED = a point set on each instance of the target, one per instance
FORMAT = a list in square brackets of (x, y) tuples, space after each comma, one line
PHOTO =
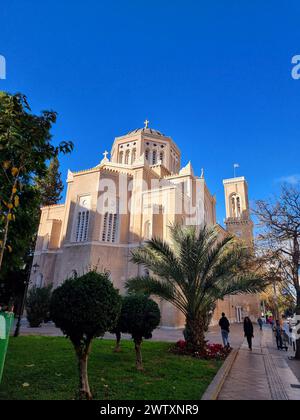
[(224, 325), (248, 330)]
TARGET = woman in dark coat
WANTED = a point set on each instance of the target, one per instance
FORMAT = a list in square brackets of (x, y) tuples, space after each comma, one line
[(248, 330)]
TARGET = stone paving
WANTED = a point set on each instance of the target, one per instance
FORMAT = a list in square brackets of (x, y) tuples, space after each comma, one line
[(160, 334), (262, 374)]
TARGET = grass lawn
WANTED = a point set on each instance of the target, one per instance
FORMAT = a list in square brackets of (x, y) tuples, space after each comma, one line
[(49, 366)]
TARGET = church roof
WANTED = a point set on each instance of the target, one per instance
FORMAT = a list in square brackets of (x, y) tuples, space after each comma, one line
[(146, 131)]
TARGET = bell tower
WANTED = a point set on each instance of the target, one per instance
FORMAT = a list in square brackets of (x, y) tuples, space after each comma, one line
[(238, 221)]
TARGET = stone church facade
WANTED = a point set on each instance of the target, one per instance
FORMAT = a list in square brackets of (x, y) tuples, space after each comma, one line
[(133, 196)]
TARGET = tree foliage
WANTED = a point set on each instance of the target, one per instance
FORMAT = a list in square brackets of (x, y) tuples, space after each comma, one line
[(279, 299), (25, 149), (140, 315), (279, 237), (195, 270), (85, 308), (38, 305), (51, 185), (21, 237)]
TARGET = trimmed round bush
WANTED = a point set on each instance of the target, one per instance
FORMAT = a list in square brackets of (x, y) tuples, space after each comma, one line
[(117, 331), (85, 308), (140, 315)]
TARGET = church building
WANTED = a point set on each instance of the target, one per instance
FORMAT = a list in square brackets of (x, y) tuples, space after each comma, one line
[(126, 199)]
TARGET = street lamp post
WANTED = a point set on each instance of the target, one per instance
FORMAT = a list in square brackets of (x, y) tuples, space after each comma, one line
[(17, 330)]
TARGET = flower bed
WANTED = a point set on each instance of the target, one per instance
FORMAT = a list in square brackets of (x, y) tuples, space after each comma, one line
[(212, 351)]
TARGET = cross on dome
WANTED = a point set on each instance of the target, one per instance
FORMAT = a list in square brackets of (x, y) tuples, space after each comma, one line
[(146, 124)]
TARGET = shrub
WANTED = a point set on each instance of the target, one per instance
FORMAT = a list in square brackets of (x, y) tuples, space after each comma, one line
[(38, 305), (117, 330), (85, 308), (211, 351), (217, 351), (139, 317)]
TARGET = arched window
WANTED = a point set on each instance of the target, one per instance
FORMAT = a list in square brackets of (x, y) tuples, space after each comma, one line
[(176, 164), (73, 274), (238, 206), (127, 157), (154, 157), (104, 227), (161, 157), (235, 205), (110, 226), (82, 226), (173, 165), (121, 156), (147, 153), (82, 220), (133, 156)]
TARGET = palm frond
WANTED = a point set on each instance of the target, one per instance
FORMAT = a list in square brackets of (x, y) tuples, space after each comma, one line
[(160, 259), (152, 286), (196, 269), (247, 283)]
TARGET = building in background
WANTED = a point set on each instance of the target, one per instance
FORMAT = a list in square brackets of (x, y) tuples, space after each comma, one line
[(117, 205), (238, 222)]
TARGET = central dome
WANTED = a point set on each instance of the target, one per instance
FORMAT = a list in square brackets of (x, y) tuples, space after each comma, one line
[(146, 131), (146, 145)]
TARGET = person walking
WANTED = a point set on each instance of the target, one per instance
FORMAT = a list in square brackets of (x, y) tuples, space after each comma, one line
[(248, 330), (278, 335), (224, 325), (260, 323)]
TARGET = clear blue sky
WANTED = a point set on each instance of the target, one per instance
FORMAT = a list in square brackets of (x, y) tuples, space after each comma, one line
[(214, 75)]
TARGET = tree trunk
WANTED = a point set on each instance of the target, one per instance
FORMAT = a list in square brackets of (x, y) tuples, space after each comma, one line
[(85, 392), (2, 249), (118, 341), (138, 352), (195, 334), (276, 306), (296, 259), (84, 387)]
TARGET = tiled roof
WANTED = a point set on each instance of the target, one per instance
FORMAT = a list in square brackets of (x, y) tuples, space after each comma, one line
[(146, 131)]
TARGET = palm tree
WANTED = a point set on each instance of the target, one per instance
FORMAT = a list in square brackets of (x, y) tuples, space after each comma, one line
[(196, 269)]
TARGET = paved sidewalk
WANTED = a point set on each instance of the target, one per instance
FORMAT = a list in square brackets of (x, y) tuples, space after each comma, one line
[(262, 374), (160, 334)]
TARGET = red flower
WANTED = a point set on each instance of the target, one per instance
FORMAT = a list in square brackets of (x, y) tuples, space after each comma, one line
[(181, 344)]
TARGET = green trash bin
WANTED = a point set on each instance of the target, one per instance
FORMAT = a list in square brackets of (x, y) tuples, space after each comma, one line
[(6, 321)]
